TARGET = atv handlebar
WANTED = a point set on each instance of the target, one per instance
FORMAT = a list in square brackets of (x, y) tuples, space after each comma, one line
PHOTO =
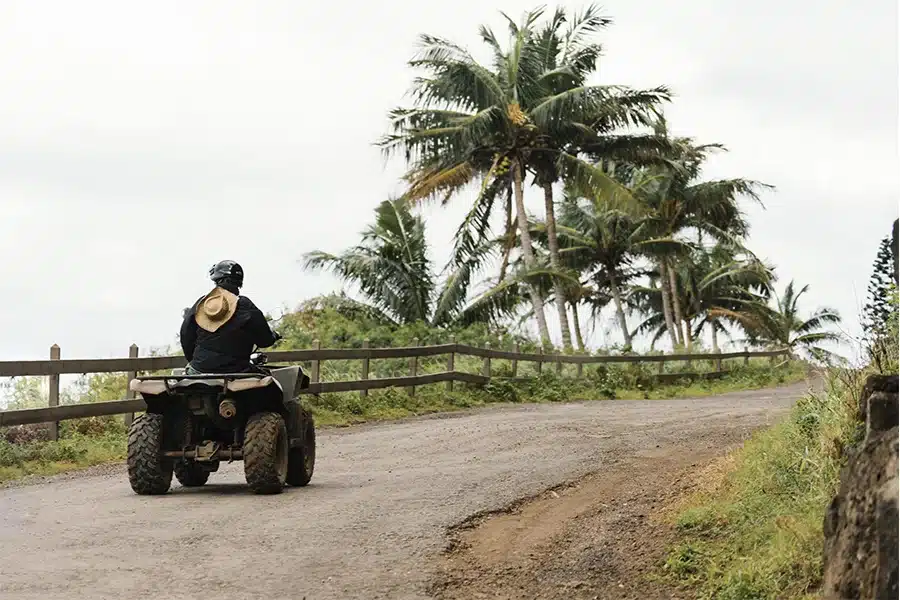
[(258, 358)]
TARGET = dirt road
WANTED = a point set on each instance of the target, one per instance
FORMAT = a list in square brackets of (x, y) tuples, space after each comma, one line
[(374, 521)]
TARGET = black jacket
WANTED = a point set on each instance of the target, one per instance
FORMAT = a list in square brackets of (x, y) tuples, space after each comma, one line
[(228, 349)]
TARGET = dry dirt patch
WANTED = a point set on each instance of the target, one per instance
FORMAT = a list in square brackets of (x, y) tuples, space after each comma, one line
[(602, 536)]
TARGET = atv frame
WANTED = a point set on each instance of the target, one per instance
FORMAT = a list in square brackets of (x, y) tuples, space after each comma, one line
[(193, 422)]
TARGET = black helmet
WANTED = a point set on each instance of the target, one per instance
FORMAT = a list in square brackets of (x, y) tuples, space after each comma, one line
[(227, 271)]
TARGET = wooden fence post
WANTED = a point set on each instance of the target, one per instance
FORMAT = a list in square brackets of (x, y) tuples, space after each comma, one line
[(486, 364), (515, 361), (540, 362), (719, 363), (662, 367), (580, 370), (746, 356), (130, 395), (365, 369), (315, 367), (558, 365), (53, 393), (413, 368), (451, 363)]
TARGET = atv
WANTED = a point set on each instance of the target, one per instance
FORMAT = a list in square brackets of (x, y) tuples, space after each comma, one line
[(193, 422)]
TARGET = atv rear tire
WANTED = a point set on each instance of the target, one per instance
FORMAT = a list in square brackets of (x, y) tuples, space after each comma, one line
[(266, 453), (190, 474), (302, 460), (148, 471)]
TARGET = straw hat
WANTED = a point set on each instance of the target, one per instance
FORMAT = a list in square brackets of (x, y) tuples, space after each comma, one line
[(215, 309)]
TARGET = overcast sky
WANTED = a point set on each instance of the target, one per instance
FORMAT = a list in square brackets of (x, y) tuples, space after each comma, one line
[(141, 142)]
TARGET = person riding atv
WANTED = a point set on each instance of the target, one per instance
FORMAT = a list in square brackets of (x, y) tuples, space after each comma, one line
[(219, 331), (227, 404)]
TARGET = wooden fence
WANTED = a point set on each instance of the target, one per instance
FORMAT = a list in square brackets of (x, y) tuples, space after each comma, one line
[(134, 365)]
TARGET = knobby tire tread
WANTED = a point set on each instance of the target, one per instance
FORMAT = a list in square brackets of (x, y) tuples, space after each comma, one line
[(261, 467), (148, 472), (190, 474), (297, 474)]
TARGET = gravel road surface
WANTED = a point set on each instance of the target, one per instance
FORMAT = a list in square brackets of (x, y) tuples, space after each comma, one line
[(370, 523)]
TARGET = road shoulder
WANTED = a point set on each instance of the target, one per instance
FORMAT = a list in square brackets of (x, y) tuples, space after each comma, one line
[(598, 537)]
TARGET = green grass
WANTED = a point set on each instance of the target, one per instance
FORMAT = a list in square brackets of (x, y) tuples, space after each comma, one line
[(49, 458), (630, 382), (88, 442), (754, 528)]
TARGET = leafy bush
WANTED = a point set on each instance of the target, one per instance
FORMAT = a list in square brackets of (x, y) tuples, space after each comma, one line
[(19, 454), (502, 390), (109, 425), (25, 434), (319, 319), (46, 458)]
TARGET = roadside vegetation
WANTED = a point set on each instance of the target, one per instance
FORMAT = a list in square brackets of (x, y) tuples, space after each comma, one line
[(25, 450), (753, 530)]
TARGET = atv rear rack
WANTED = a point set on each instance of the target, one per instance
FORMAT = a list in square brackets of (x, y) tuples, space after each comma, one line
[(202, 376), (238, 382)]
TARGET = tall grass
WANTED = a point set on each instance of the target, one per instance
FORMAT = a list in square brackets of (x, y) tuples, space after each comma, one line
[(74, 451), (754, 529)]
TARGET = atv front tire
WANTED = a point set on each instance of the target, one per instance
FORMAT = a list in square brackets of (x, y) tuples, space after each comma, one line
[(302, 459), (266, 453), (190, 474), (148, 471)]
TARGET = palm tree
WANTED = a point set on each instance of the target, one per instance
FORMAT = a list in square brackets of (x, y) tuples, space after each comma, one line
[(493, 125), (505, 298), (724, 285), (577, 295), (718, 285), (679, 203), (573, 58), (390, 265), (782, 326), (604, 244)]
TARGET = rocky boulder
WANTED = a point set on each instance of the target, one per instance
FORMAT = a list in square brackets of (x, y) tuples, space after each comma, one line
[(861, 524), (885, 385)]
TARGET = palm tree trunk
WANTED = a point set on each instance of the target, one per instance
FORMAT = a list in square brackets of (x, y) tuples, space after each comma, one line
[(553, 245), (666, 303), (715, 336), (676, 304), (688, 336), (510, 234), (537, 302), (577, 323), (620, 311)]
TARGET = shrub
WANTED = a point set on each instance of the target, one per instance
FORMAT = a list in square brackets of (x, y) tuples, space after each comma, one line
[(25, 434), (502, 391)]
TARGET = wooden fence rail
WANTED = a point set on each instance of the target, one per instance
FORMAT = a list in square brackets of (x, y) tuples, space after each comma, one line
[(57, 366)]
